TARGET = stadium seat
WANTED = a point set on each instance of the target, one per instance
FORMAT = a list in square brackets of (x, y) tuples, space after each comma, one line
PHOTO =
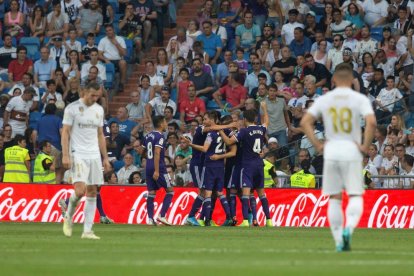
[(41, 92), (118, 165), (34, 117), (211, 105), (117, 17), (376, 33), (110, 75), (130, 49), (115, 6), (4, 77), (318, 18), (82, 40), (173, 95)]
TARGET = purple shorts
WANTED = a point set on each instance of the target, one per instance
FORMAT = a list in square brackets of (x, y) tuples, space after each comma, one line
[(234, 182), (252, 177), (213, 179), (164, 181), (197, 174)]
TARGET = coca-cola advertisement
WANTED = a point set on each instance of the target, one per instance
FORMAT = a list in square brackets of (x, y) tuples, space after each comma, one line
[(127, 204)]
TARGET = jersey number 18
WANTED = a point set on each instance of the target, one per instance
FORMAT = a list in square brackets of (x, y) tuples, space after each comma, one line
[(342, 119)]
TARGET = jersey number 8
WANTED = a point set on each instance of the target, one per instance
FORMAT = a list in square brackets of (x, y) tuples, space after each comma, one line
[(342, 120), (149, 151)]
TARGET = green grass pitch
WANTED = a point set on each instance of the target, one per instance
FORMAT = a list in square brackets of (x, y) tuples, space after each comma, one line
[(41, 249)]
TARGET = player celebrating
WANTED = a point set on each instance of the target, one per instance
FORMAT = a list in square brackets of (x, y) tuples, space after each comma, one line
[(83, 143), (341, 111), (154, 144), (252, 139)]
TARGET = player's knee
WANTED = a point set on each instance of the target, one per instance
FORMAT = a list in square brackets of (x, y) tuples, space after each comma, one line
[(337, 196)]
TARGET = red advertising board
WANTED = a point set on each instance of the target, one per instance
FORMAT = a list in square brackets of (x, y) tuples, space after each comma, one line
[(127, 204)]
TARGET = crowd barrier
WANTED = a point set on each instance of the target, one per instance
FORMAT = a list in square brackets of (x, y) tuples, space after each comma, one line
[(127, 204)]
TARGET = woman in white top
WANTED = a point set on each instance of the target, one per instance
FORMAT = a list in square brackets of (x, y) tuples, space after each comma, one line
[(321, 54), (273, 55), (193, 29), (374, 158), (172, 140), (409, 148), (164, 67), (37, 23), (279, 81), (397, 122), (388, 166), (72, 70), (147, 92)]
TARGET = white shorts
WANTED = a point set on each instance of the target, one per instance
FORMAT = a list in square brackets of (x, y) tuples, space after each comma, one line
[(340, 175), (88, 171)]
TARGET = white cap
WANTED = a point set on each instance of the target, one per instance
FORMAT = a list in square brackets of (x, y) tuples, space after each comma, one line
[(272, 140)]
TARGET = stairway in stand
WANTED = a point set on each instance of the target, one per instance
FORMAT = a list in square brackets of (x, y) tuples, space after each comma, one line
[(187, 11)]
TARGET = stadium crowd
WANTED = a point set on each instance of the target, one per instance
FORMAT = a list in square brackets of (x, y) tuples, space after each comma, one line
[(229, 58)]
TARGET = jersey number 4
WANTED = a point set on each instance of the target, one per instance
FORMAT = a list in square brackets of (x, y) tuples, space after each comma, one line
[(257, 146), (342, 119)]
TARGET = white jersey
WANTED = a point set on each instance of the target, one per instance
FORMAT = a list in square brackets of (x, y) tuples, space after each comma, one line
[(341, 111), (85, 121)]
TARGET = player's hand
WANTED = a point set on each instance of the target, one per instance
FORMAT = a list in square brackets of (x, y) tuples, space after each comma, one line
[(66, 162), (107, 165), (156, 176), (184, 139), (214, 157)]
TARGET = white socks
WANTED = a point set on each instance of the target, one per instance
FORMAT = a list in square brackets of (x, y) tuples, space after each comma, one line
[(73, 203), (336, 219), (354, 212), (89, 211)]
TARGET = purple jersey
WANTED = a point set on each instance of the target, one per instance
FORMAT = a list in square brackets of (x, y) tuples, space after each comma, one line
[(217, 146), (152, 140), (252, 140), (198, 139)]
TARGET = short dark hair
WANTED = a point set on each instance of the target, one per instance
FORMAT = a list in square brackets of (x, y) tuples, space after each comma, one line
[(18, 138), (21, 48), (6, 35), (341, 38), (408, 159), (208, 22), (262, 76), (157, 120), (50, 109), (379, 70), (184, 70), (250, 115), (174, 125), (50, 82), (92, 85), (391, 78), (113, 123), (344, 67), (212, 115), (300, 29), (399, 145), (91, 35), (382, 130), (43, 144), (170, 109)]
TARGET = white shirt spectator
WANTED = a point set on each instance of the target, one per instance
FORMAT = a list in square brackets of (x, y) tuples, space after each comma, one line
[(363, 46), (156, 80), (388, 66), (402, 49), (221, 32), (109, 50), (306, 144), (22, 107), (87, 65), (407, 183), (288, 30), (336, 57), (75, 46), (21, 87), (350, 43), (374, 11), (71, 9), (388, 164), (124, 173), (347, 2), (159, 106), (389, 97), (377, 161), (55, 96)]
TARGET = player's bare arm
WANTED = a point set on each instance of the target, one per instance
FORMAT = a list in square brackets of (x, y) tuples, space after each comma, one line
[(231, 153), (307, 124), (370, 126), (220, 127), (157, 154), (102, 148), (202, 148), (66, 129), (228, 140), (263, 106)]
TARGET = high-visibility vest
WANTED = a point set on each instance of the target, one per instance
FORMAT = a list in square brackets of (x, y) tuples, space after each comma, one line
[(15, 170), (40, 175), (268, 180), (302, 180)]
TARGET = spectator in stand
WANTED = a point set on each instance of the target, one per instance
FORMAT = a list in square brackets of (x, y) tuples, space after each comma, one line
[(403, 23), (223, 68), (163, 67), (191, 107), (125, 125), (278, 116), (335, 54), (193, 29), (182, 172), (310, 25), (386, 100), (72, 8), (44, 68), (252, 79), (300, 45), (116, 143), (397, 122), (14, 20), (311, 90), (366, 44), (267, 36), (321, 54), (377, 84), (228, 19), (48, 129), (72, 43), (158, 104), (57, 21), (205, 11), (94, 61), (318, 70), (124, 173), (146, 91), (381, 138), (184, 42), (27, 81), (112, 48), (38, 23), (202, 81), (376, 12), (387, 63), (355, 14), (17, 111), (389, 166), (4, 100), (156, 81), (373, 157), (172, 145), (90, 44), (273, 55), (169, 117), (218, 29), (137, 152), (248, 33), (89, 20), (211, 43), (61, 81), (132, 27), (286, 65), (19, 66), (407, 165), (233, 93), (262, 80), (72, 69), (72, 92), (350, 41), (136, 108), (289, 28), (8, 140), (50, 94), (337, 27), (58, 51), (135, 178), (146, 10), (7, 53), (93, 76)]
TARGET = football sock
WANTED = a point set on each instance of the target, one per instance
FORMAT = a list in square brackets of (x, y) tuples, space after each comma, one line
[(99, 205), (265, 206), (233, 202), (213, 205), (73, 203), (353, 212), (245, 207), (150, 206), (89, 210), (336, 218), (166, 203), (196, 206), (207, 208), (253, 207), (225, 205)]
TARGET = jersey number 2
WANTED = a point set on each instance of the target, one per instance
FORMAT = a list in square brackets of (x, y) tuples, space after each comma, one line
[(220, 146), (342, 119)]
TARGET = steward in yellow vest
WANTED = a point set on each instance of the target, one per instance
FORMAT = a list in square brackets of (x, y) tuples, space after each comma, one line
[(270, 176), (44, 167), (17, 162), (303, 178)]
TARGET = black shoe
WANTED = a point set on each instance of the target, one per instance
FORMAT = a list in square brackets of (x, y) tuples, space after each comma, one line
[(207, 222), (121, 87)]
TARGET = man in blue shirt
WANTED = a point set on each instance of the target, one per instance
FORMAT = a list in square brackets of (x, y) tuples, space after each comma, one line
[(223, 68), (212, 44), (247, 34), (44, 68), (125, 125), (300, 45)]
